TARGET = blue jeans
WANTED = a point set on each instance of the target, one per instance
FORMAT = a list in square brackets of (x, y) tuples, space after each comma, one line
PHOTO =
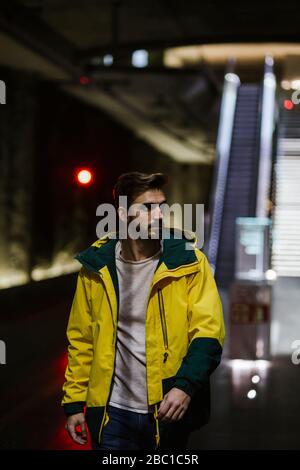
[(128, 430)]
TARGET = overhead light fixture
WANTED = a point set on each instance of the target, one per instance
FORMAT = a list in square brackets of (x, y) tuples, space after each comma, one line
[(290, 84)]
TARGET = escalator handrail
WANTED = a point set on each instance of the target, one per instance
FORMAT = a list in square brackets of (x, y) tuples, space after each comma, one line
[(266, 139), (225, 131)]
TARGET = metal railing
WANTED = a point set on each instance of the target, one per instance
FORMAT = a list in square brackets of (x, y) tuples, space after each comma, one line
[(266, 139), (226, 124)]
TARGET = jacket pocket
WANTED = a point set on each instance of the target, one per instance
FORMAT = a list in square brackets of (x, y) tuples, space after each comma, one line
[(94, 417)]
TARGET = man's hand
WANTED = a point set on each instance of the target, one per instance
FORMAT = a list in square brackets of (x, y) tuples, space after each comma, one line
[(74, 421), (174, 405)]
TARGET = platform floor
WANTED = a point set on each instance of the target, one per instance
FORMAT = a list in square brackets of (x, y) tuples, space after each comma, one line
[(31, 416)]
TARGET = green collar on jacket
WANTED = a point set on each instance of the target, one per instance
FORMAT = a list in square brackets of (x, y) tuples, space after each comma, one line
[(174, 253), (102, 253)]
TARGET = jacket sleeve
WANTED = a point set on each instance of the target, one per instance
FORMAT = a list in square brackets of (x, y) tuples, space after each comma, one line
[(206, 330), (80, 349)]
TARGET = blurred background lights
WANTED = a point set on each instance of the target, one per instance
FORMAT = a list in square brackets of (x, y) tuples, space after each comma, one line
[(285, 84), (271, 275), (288, 104), (108, 60), (255, 379), (140, 58), (251, 394), (84, 176), (295, 84), (84, 80)]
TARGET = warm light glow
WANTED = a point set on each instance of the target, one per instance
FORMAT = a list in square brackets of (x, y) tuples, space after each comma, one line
[(63, 263), (295, 84), (12, 278), (84, 176), (290, 84), (285, 84), (221, 53)]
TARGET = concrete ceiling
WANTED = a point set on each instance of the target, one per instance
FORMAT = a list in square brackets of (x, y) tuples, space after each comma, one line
[(64, 40)]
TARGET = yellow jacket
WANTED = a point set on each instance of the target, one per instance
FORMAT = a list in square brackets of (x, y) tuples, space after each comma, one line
[(184, 332)]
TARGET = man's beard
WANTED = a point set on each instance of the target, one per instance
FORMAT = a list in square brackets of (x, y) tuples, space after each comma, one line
[(153, 231)]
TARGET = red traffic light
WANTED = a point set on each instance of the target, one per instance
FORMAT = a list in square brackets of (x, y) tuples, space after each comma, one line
[(84, 176)]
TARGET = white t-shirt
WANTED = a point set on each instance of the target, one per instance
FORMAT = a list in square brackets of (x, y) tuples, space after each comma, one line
[(129, 388)]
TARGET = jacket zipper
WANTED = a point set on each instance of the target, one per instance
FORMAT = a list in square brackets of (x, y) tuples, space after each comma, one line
[(163, 323), (104, 422), (157, 435), (166, 345), (105, 418)]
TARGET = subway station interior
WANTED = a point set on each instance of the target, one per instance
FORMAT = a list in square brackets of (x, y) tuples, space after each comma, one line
[(207, 93)]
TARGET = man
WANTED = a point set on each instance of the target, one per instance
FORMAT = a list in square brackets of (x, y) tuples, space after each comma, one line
[(145, 332)]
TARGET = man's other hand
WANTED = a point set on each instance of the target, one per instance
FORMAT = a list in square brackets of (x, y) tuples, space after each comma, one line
[(174, 405), (80, 437)]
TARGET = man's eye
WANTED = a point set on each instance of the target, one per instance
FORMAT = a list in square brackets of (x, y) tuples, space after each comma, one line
[(145, 206), (148, 206)]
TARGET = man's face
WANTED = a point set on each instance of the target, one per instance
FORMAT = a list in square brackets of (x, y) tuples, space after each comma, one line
[(150, 216)]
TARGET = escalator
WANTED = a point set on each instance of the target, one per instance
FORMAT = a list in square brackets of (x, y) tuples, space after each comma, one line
[(243, 169), (240, 194), (286, 214)]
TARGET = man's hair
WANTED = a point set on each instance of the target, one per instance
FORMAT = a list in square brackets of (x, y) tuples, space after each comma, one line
[(135, 183)]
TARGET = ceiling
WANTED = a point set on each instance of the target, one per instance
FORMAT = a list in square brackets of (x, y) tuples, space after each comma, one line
[(174, 102), (94, 26)]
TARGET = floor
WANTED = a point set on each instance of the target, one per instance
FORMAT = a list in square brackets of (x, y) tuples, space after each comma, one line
[(31, 379)]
